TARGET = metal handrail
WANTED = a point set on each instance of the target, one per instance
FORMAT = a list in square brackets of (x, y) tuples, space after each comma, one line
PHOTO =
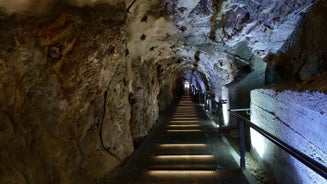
[(239, 110), (306, 160), (246, 110)]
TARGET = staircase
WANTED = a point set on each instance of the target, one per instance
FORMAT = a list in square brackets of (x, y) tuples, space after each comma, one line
[(186, 149)]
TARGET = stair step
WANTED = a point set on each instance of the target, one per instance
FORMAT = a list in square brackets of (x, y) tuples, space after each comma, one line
[(182, 149), (186, 167)]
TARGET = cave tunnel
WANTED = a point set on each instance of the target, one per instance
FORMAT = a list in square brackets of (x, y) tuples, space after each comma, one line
[(159, 91)]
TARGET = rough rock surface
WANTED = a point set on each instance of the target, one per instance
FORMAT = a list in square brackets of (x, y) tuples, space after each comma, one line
[(63, 94), (143, 99), (307, 57), (300, 122), (79, 85)]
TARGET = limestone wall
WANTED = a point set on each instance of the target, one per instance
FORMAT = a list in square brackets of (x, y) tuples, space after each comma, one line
[(64, 99), (69, 111), (300, 119), (143, 99)]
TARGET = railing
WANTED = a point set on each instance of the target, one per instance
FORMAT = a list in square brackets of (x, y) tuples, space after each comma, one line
[(210, 105), (309, 162), (247, 110)]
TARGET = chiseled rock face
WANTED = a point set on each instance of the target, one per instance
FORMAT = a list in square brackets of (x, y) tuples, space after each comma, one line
[(267, 26), (307, 57), (36, 6), (62, 82), (143, 99)]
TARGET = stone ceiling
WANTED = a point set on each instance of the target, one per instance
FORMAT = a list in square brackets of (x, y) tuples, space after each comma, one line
[(208, 36), (202, 35), (79, 84)]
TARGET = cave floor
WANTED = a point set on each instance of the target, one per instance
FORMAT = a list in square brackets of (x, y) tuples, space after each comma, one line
[(184, 149)]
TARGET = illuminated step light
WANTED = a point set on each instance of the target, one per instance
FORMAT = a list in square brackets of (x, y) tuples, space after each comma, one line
[(183, 173), (185, 121), (183, 145), (179, 131), (182, 112), (185, 113), (181, 116), (185, 117), (184, 157), (184, 126)]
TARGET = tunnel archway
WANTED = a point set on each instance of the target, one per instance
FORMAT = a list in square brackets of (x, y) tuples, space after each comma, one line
[(195, 82), (100, 70)]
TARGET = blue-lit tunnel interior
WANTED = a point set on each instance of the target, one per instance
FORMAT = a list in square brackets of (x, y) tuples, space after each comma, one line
[(84, 82)]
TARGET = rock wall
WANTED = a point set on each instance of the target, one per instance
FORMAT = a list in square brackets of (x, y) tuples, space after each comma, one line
[(267, 26), (307, 55), (239, 92), (63, 95), (143, 99), (168, 87), (300, 119)]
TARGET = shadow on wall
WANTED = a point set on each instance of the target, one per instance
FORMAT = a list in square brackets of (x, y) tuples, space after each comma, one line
[(238, 94)]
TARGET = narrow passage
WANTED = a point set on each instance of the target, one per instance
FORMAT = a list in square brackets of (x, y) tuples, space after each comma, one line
[(185, 149)]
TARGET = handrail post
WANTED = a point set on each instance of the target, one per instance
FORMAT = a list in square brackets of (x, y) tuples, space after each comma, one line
[(300, 156), (242, 145), (220, 116), (209, 107)]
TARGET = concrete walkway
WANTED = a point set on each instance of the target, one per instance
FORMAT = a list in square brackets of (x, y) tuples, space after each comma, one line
[(185, 149)]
